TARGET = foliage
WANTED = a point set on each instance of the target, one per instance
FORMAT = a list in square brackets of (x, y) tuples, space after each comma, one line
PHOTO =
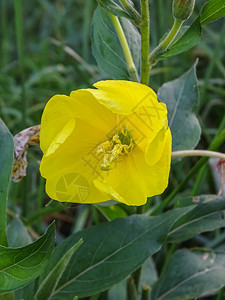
[(173, 246)]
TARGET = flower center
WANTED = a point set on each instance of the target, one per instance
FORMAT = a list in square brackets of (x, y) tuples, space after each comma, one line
[(121, 143)]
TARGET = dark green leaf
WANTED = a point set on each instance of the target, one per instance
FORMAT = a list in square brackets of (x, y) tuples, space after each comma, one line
[(207, 215), (186, 41), (190, 274), (111, 251), (106, 46), (17, 234), (6, 161), (212, 10), (181, 97), (48, 285), (19, 266)]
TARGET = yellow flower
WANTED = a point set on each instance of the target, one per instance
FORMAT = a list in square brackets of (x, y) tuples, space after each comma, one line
[(112, 142)]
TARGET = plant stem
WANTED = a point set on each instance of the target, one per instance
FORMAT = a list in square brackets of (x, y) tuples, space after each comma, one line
[(137, 276), (145, 292), (168, 257), (139, 209), (199, 179), (197, 153), (132, 12), (218, 141), (6, 145), (131, 289), (145, 31), (88, 7), (20, 43), (215, 57), (163, 46), (126, 50)]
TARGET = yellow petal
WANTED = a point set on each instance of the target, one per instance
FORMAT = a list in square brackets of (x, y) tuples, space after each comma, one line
[(107, 189), (74, 185), (61, 137), (124, 183), (53, 120), (80, 145), (155, 147), (157, 175), (80, 105), (133, 180), (91, 111), (122, 97)]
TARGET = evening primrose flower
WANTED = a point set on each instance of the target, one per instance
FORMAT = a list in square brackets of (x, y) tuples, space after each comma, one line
[(111, 142)]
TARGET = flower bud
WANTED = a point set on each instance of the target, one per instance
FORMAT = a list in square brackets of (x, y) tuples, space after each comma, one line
[(221, 175), (182, 9)]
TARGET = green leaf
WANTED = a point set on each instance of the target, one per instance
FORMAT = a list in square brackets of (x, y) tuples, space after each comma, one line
[(48, 285), (186, 41), (207, 215), (181, 97), (114, 8), (6, 162), (190, 274), (106, 46), (212, 10), (19, 266), (17, 234), (111, 251), (111, 212)]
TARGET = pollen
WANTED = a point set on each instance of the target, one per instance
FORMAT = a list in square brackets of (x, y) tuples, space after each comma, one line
[(121, 143)]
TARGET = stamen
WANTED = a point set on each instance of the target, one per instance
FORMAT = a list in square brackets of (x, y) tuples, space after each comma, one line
[(121, 143), (103, 147)]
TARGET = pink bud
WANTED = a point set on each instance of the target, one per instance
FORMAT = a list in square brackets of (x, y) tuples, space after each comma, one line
[(221, 173)]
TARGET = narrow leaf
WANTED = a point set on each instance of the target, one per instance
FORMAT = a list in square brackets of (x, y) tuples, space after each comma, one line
[(181, 97), (19, 266), (212, 10), (48, 285), (6, 162)]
